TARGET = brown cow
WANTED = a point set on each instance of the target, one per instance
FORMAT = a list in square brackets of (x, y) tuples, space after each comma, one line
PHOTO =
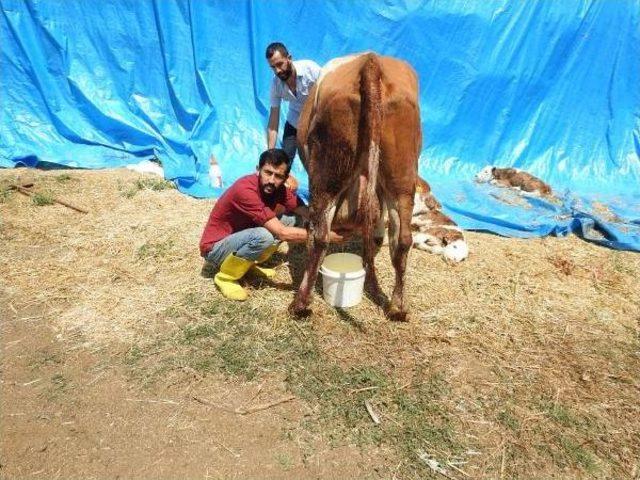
[(360, 139)]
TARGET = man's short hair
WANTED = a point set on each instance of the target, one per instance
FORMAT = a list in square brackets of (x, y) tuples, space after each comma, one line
[(275, 157), (277, 47)]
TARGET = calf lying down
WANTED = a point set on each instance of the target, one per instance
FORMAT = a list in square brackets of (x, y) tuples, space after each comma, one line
[(432, 230), (514, 178)]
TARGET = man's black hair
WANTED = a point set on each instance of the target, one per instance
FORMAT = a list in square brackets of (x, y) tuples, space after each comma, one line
[(275, 157), (277, 47)]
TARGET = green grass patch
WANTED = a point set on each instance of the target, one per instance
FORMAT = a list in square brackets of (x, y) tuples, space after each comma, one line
[(146, 183), (155, 184), (567, 453), (43, 358), (284, 460), (238, 340), (507, 418), (194, 332), (5, 193), (562, 415), (246, 341), (58, 386), (423, 421), (567, 435), (133, 355), (577, 455), (619, 264), (63, 178), (155, 250), (59, 381), (42, 199)]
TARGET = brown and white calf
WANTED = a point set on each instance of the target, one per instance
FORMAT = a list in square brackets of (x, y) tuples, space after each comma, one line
[(360, 138), (432, 230), (514, 178)]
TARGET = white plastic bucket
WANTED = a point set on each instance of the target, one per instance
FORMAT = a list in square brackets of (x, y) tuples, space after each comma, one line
[(342, 279)]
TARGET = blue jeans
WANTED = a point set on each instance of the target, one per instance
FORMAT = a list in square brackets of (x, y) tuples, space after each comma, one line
[(248, 244), (289, 141)]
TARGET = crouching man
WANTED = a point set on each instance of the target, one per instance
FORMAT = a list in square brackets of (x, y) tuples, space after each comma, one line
[(249, 221)]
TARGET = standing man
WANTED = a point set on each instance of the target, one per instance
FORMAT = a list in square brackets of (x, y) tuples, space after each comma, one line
[(244, 230), (292, 82)]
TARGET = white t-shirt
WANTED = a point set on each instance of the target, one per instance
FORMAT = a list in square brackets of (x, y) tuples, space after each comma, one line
[(307, 73)]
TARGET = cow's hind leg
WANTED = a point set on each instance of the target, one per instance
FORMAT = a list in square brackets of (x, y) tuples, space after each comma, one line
[(317, 243), (372, 236), (381, 227), (400, 241)]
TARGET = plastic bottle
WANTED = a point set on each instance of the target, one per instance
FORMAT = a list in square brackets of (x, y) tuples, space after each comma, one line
[(215, 173)]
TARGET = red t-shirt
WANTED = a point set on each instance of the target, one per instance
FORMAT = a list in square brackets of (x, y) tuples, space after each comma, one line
[(244, 206)]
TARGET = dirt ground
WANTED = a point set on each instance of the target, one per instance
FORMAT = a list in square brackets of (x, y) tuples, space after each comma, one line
[(522, 362), (72, 413)]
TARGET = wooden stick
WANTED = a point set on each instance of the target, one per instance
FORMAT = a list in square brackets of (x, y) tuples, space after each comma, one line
[(372, 414), (458, 469), (26, 191), (258, 408), (211, 404), (257, 393), (150, 400), (364, 389), (235, 454)]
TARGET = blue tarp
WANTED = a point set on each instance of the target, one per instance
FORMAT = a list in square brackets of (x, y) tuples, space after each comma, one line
[(551, 87)]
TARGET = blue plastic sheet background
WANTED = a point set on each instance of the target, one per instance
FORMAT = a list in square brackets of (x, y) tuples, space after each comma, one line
[(551, 87)]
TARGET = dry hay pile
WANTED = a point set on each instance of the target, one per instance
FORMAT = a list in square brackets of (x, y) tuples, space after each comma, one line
[(95, 270), (533, 344)]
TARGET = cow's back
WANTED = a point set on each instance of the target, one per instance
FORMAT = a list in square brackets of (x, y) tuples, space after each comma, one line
[(398, 78)]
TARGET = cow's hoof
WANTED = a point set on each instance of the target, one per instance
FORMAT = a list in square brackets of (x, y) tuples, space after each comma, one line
[(396, 315), (372, 287), (299, 311)]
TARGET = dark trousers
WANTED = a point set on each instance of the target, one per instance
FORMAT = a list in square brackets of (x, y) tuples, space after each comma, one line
[(289, 141)]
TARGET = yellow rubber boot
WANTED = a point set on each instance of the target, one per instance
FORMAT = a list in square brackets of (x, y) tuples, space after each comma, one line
[(232, 269), (264, 256)]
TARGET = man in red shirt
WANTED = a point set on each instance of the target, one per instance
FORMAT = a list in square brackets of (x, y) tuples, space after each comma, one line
[(244, 230)]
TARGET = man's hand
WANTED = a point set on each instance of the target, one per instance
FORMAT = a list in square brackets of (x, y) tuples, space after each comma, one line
[(272, 127), (291, 183), (339, 237)]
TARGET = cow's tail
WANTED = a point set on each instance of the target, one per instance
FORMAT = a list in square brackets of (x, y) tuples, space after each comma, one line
[(371, 132), (370, 135)]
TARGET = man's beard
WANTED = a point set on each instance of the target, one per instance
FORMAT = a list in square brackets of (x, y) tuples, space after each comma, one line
[(268, 191), (284, 76)]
